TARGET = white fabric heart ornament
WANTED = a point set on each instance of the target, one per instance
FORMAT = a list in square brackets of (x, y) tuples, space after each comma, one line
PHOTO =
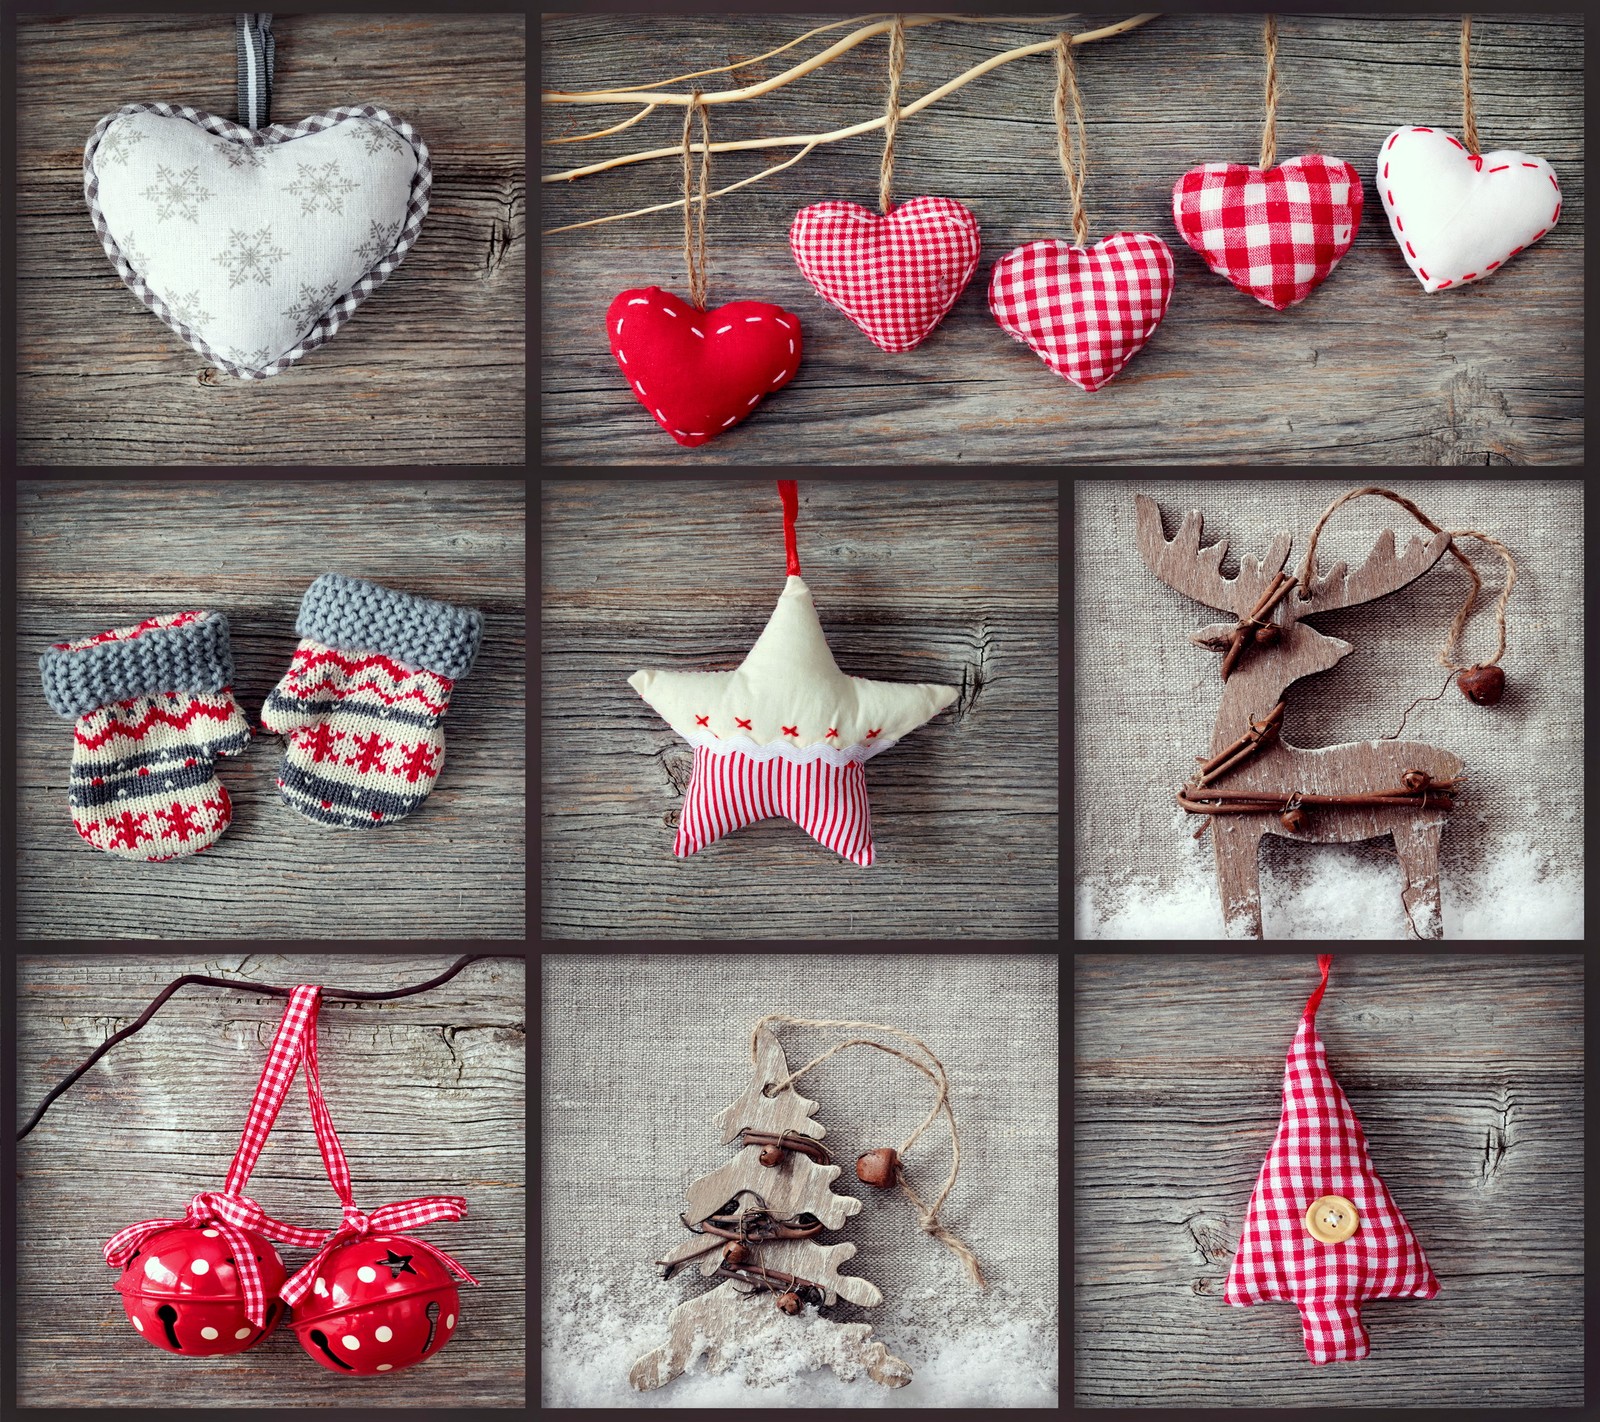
[(1458, 217), (255, 246)]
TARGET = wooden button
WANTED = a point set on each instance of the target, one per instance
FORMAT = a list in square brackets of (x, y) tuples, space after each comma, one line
[(1332, 1219)]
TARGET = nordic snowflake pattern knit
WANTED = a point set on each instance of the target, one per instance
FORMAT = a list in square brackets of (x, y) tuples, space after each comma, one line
[(154, 707), (364, 697)]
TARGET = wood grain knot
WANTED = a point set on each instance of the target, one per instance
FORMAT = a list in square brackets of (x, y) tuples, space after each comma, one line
[(1210, 1237)]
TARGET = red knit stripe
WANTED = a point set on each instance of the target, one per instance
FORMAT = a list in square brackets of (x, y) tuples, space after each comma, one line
[(156, 715), (304, 690), (305, 661)]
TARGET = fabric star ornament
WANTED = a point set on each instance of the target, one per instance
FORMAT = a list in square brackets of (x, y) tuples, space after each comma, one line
[(895, 276), (1276, 234), (786, 733), (1459, 217), (1322, 1232), (697, 372), (1084, 311)]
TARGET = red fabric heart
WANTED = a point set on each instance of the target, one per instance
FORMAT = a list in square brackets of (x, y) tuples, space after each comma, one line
[(1274, 234), (701, 372), (897, 276), (1086, 312)]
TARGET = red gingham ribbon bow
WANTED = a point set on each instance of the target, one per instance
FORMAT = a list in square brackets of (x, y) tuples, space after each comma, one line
[(399, 1218), (229, 1209)]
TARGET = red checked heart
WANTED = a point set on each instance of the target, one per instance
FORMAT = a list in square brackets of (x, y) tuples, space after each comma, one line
[(896, 277), (1459, 217), (1275, 234), (701, 372), (1086, 312)]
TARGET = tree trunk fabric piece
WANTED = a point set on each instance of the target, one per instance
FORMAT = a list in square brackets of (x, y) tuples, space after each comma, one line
[(1319, 1151), (1084, 311), (154, 707), (1278, 234), (255, 246), (895, 276), (1459, 217), (699, 373)]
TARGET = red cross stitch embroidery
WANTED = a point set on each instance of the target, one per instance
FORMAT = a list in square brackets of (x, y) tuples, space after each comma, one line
[(832, 731), (871, 734), (738, 722), (702, 720), (791, 730)]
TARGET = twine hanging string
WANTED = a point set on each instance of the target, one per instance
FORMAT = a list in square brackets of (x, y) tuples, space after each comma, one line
[(694, 241), (1067, 88), (1308, 570), (927, 1215), (891, 115), (1469, 120), (1269, 129)]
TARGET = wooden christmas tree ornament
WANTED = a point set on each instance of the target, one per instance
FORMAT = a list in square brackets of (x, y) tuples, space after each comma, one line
[(754, 1222), (1339, 794)]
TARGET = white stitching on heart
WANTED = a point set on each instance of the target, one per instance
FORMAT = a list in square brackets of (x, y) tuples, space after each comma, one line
[(639, 301)]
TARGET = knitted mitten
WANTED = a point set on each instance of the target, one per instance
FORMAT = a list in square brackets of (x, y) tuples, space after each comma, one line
[(154, 706), (363, 699)]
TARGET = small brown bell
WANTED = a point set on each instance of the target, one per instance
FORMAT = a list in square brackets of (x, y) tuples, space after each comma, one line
[(1267, 636), (789, 1302), (1483, 686), (771, 1155), (1293, 820), (736, 1254), (878, 1167), (1416, 780)]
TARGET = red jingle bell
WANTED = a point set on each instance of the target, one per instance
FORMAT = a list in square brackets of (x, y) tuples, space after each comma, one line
[(377, 1305), (182, 1292)]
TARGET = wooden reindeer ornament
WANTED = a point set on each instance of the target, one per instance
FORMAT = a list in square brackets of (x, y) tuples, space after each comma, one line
[(1335, 795), (753, 1222)]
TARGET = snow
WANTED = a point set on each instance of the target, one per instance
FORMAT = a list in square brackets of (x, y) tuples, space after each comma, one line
[(1343, 891), (966, 1350)]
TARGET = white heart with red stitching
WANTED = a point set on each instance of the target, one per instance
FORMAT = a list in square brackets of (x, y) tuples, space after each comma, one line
[(1458, 217)]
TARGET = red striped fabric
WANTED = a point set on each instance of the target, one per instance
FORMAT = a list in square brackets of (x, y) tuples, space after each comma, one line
[(729, 790)]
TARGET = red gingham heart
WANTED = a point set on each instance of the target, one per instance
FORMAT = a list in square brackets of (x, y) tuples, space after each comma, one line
[(1086, 312), (897, 276), (701, 372), (1275, 234), (1460, 217)]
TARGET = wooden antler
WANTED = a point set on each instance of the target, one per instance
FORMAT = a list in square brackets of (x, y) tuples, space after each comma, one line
[(1182, 564), (1384, 572)]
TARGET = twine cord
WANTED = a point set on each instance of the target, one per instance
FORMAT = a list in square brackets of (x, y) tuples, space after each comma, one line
[(1269, 129), (927, 1215), (694, 238), (1469, 119), (891, 114), (1067, 88), (1457, 627)]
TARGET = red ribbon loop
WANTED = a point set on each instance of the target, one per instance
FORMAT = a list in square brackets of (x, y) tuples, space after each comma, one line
[(399, 1218)]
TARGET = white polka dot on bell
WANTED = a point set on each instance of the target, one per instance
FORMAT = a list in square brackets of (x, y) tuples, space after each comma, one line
[(366, 1273), (351, 1342), (208, 1333), (200, 1266), (450, 1322), (209, 1233), (385, 1367), (242, 1333), (383, 1334), (137, 1324)]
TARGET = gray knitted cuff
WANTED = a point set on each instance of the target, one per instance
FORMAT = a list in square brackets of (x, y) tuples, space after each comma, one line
[(193, 657), (358, 616)]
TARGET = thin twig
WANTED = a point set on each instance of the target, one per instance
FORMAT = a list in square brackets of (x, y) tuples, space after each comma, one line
[(643, 113), (867, 126)]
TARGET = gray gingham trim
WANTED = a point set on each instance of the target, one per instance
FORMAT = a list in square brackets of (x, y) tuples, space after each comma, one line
[(343, 306)]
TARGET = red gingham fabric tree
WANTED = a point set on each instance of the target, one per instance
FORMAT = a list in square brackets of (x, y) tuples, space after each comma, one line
[(1322, 1232)]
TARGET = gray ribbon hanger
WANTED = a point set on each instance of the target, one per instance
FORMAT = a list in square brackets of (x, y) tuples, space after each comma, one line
[(255, 70)]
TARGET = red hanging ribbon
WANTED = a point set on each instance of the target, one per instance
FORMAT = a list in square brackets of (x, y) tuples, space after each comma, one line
[(789, 492), (230, 1210)]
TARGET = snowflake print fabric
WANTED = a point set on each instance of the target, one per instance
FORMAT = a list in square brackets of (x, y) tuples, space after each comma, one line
[(1322, 1231), (255, 246)]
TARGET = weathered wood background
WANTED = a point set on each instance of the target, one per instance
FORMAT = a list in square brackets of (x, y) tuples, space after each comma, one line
[(427, 1094), (938, 581), (1368, 370), (432, 369), (1466, 1073), (93, 555)]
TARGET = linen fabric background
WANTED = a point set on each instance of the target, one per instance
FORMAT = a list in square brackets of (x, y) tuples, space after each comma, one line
[(1145, 697), (249, 247), (642, 1050)]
